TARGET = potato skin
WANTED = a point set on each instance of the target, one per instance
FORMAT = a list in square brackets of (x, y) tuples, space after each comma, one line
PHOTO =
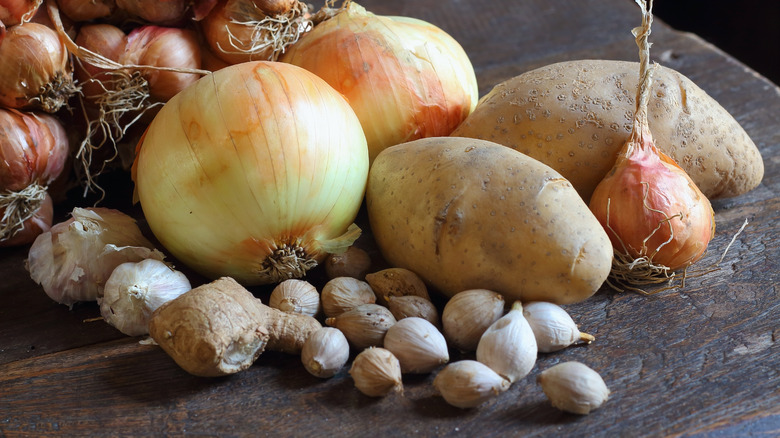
[(471, 214), (574, 116)]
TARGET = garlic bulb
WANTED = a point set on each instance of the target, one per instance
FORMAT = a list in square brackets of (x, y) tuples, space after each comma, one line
[(345, 293), (354, 262), (295, 296), (325, 352), (418, 345), (468, 314), (468, 383), (552, 326), (574, 387), (365, 325), (73, 260), (396, 282), (376, 372), (136, 289), (508, 346)]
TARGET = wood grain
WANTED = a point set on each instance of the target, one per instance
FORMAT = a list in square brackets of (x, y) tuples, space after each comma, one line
[(703, 360)]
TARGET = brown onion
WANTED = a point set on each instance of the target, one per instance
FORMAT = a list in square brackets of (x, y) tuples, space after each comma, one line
[(156, 11), (87, 10), (39, 76), (106, 40), (13, 12)]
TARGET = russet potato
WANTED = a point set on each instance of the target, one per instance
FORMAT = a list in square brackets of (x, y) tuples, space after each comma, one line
[(471, 214), (574, 116)]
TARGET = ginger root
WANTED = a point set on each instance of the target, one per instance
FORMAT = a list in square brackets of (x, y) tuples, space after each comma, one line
[(220, 328)]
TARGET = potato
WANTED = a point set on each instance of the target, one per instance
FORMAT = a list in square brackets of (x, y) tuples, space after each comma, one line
[(471, 214), (575, 116)]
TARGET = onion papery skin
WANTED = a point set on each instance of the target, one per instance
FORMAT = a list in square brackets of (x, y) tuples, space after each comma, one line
[(86, 10), (164, 12), (405, 78), (250, 158), (644, 188), (13, 12), (34, 58)]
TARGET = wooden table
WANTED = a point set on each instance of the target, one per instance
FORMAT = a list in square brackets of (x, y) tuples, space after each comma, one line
[(699, 361)]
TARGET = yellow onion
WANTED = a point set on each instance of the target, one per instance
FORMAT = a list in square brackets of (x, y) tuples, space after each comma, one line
[(657, 218), (35, 69), (406, 79), (242, 30), (256, 172), (13, 12)]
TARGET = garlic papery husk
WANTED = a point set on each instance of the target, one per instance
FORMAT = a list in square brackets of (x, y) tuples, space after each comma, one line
[(468, 314), (412, 305), (552, 326), (574, 387), (325, 352), (365, 325), (376, 372), (295, 296), (468, 383), (354, 262), (396, 282), (136, 289), (345, 293), (73, 260), (418, 345), (508, 346)]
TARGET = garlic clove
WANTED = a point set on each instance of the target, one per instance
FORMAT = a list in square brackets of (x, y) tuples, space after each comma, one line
[(134, 290), (508, 346), (325, 352), (376, 372), (418, 345), (396, 282), (345, 293), (295, 296), (468, 383), (365, 325), (553, 327), (413, 305), (354, 263), (574, 387), (468, 314)]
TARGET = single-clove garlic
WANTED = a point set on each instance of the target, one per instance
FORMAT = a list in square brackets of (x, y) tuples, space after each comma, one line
[(345, 293), (468, 383), (508, 346), (365, 325), (354, 263), (468, 314), (295, 296), (396, 282), (553, 327), (134, 290), (413, 305), (325, 352), (574, 387), (376, 372), (418, 345)]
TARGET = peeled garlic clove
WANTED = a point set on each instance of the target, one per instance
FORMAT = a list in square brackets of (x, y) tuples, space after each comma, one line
[(574, 387), (376, 372), (396, 282), (412, 305), (345, 293), (325, 352), (365, 325), (552, 326), (468, 314), (354, 263), (468, 383), (508, 346), (295, 296), (134, 290), (418, 345)]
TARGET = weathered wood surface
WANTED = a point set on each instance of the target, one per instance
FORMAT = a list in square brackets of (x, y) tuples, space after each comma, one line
[(703, 360)]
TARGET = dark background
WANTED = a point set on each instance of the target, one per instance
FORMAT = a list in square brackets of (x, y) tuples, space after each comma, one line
[(748, 30)]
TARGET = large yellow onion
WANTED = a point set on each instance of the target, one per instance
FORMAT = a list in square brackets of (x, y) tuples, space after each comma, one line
[(256, 172), (406, 79)]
